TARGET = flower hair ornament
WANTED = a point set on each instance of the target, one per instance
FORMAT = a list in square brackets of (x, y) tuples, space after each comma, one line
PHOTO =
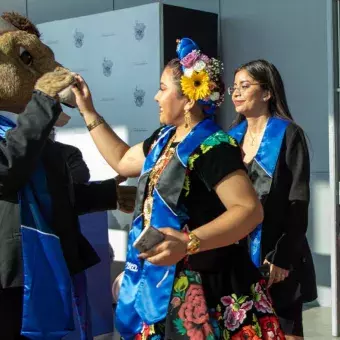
[(201, 80)]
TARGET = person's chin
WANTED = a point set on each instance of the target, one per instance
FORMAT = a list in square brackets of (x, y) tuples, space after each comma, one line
[(161, 119), (239, 109)]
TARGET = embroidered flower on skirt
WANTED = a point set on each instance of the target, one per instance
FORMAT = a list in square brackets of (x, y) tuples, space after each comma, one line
[(261, 301), (236, 310), (240, 317)]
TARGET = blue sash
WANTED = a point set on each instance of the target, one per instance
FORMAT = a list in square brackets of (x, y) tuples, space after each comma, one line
[(146, 288), (47, 303), (266, 158)]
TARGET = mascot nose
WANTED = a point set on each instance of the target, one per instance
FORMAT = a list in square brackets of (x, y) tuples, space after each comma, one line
[(67, 97)]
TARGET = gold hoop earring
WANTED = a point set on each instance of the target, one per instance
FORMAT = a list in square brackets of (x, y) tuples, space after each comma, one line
[(187, 119)]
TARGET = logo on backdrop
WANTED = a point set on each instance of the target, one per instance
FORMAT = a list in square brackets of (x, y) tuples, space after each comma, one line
[(139, 95), (139, 30), (78, 38), (107, 65)]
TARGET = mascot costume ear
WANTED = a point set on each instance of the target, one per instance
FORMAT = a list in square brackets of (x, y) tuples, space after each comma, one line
[(5, 26)]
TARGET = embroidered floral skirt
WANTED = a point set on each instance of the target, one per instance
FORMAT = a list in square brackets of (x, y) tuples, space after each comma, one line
[(231, 317)]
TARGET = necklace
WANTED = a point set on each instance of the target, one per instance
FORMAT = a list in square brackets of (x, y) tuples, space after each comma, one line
[(155, 174), (252, 143), (254, 136)]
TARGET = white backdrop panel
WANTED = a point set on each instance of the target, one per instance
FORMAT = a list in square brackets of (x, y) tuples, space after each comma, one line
[(118, 54)]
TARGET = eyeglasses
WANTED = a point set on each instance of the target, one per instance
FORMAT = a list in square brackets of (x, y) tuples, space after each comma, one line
[(243, 88)]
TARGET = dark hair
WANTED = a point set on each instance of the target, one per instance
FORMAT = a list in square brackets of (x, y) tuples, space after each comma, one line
[(20, 22), (175, 66), (267, 74)]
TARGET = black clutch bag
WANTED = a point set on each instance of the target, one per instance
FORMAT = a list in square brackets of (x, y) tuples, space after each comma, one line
[(265, 271)]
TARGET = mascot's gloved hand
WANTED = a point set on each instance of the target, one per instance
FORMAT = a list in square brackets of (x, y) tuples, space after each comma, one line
[(126, 196), (52, 83)]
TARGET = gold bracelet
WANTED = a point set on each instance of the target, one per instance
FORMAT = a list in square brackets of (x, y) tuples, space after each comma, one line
[(193, 246), (98, 121)]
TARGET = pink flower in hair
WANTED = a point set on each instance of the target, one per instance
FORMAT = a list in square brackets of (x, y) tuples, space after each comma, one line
[(205, 58), (189, 60)]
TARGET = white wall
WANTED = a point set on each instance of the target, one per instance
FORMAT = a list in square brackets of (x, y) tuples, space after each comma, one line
[(292, 35), (13, 5)]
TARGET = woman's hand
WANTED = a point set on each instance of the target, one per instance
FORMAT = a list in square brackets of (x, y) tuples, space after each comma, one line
[(172, 250), (83, 97), (127, 198), (126, 195), (277, 274)]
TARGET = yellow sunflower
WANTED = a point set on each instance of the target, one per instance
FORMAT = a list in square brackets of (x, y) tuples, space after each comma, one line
[(197, 86)]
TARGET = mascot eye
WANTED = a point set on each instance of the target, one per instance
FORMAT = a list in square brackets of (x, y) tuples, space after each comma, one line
[(26, 57)]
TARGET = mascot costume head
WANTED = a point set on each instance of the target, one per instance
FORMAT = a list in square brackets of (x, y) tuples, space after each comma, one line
[(27, 64)]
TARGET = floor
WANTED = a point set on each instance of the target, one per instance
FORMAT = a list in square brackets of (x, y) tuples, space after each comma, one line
[(317, 323)]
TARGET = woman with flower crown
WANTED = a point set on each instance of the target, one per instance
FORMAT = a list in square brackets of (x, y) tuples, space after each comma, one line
[(199, 283)]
